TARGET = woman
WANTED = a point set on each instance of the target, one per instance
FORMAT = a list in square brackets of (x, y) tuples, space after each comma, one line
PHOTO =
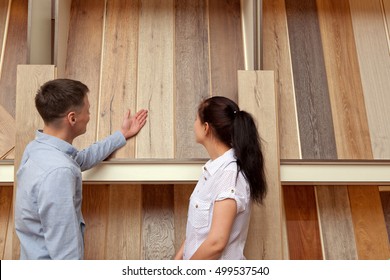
[(219, 210)]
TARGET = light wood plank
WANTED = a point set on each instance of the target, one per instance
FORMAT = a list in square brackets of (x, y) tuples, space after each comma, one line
[(369, 223), (277, 57), (191, 73), (374, 60), (256, 93), (4, 5), (335, 218), (84, 56), (15, 53), (119, 70), (61, 34), (157, 222), (226, 46), (385, 200), (311, 88), (123, 239), (5, 212), (386, 18), (7, 132), (182, 195)]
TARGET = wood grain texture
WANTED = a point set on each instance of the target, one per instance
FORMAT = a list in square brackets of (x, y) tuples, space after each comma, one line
[(95, 212), (335, 218), (182, 195), (84, 56), (15, 52), (385, 200), (369, 223), (345, 87), (256, 95), (124, 223), (226, 46), (302, 223), (7, 132), (5, 212), (119, 70), (3, 23), (155, 78), (277, 57), (374, 60), (311, 88), (191, 73), (386, 18), (157, 241)]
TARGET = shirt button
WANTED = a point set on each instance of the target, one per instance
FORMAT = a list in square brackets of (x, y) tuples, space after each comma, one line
[(232, 191), (196, 206), (205, 178)]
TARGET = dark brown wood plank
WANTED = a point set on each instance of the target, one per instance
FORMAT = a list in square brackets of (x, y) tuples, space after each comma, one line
[(385, 199), (191, 73), (302, 223), (311, 88), (5, 211), (226, 46), (15, 53)]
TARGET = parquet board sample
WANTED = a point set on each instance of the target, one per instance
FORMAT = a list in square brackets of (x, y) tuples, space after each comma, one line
[(374, 60), (302, 223), (124, 223), (256, 95), (119, 70), (3, 23), (155, 78), (182, 195), (191, 73), (385, 199), (84, 56), (5, 213), (311, 88), (277, 57), (334, 214), (226, 46), (15, 52), (369, 223), (7, 132), (157, 233)]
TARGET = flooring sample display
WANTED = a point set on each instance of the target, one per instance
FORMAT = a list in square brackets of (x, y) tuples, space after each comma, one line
[(5, 213), (7, 133)]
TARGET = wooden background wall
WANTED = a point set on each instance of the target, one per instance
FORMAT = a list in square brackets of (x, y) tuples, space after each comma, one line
[(331, 82)]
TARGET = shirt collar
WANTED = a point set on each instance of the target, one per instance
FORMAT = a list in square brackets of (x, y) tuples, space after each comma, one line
[(55, 142), (213, 165)]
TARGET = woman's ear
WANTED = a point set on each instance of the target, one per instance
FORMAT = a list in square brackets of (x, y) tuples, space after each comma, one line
[(206, 128)]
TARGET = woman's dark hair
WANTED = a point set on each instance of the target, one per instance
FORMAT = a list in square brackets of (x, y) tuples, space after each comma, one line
[(237, 129), (55, 98)]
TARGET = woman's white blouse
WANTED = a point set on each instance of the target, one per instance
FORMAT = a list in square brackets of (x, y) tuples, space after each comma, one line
[(219, 181)]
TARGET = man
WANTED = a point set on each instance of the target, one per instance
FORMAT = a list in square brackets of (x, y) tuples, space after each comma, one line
[(48, 218)]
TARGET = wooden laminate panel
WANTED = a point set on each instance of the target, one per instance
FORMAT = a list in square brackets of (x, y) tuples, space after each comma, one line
[(311, 88), (15, 52), (119, 70), (335, 218), (226, 46), (374, 60), (5, 212), (277, 57), (191, 73), (369, 223), (7, 132), (155, 78), (157, 233), (3, 23), (302, 223), (83, 61), (385, 200), (256, 94), (386, 18)]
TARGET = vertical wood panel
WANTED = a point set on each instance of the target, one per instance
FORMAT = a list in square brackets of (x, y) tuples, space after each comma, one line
[(119, 70), (335, 217), (302, 223), (155, 78), (157, 222), (3, 22), (277, 57), (313, 105), (7, 132), (84, 56), (5, 212), (95, 213), (385, 199), (191, 73), (226, 46), (124, 223), (369, 223), (374, 60), (15, 53), (256, 93), (386, 17)]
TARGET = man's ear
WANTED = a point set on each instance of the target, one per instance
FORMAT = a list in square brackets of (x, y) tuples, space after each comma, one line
[(71, 117)]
